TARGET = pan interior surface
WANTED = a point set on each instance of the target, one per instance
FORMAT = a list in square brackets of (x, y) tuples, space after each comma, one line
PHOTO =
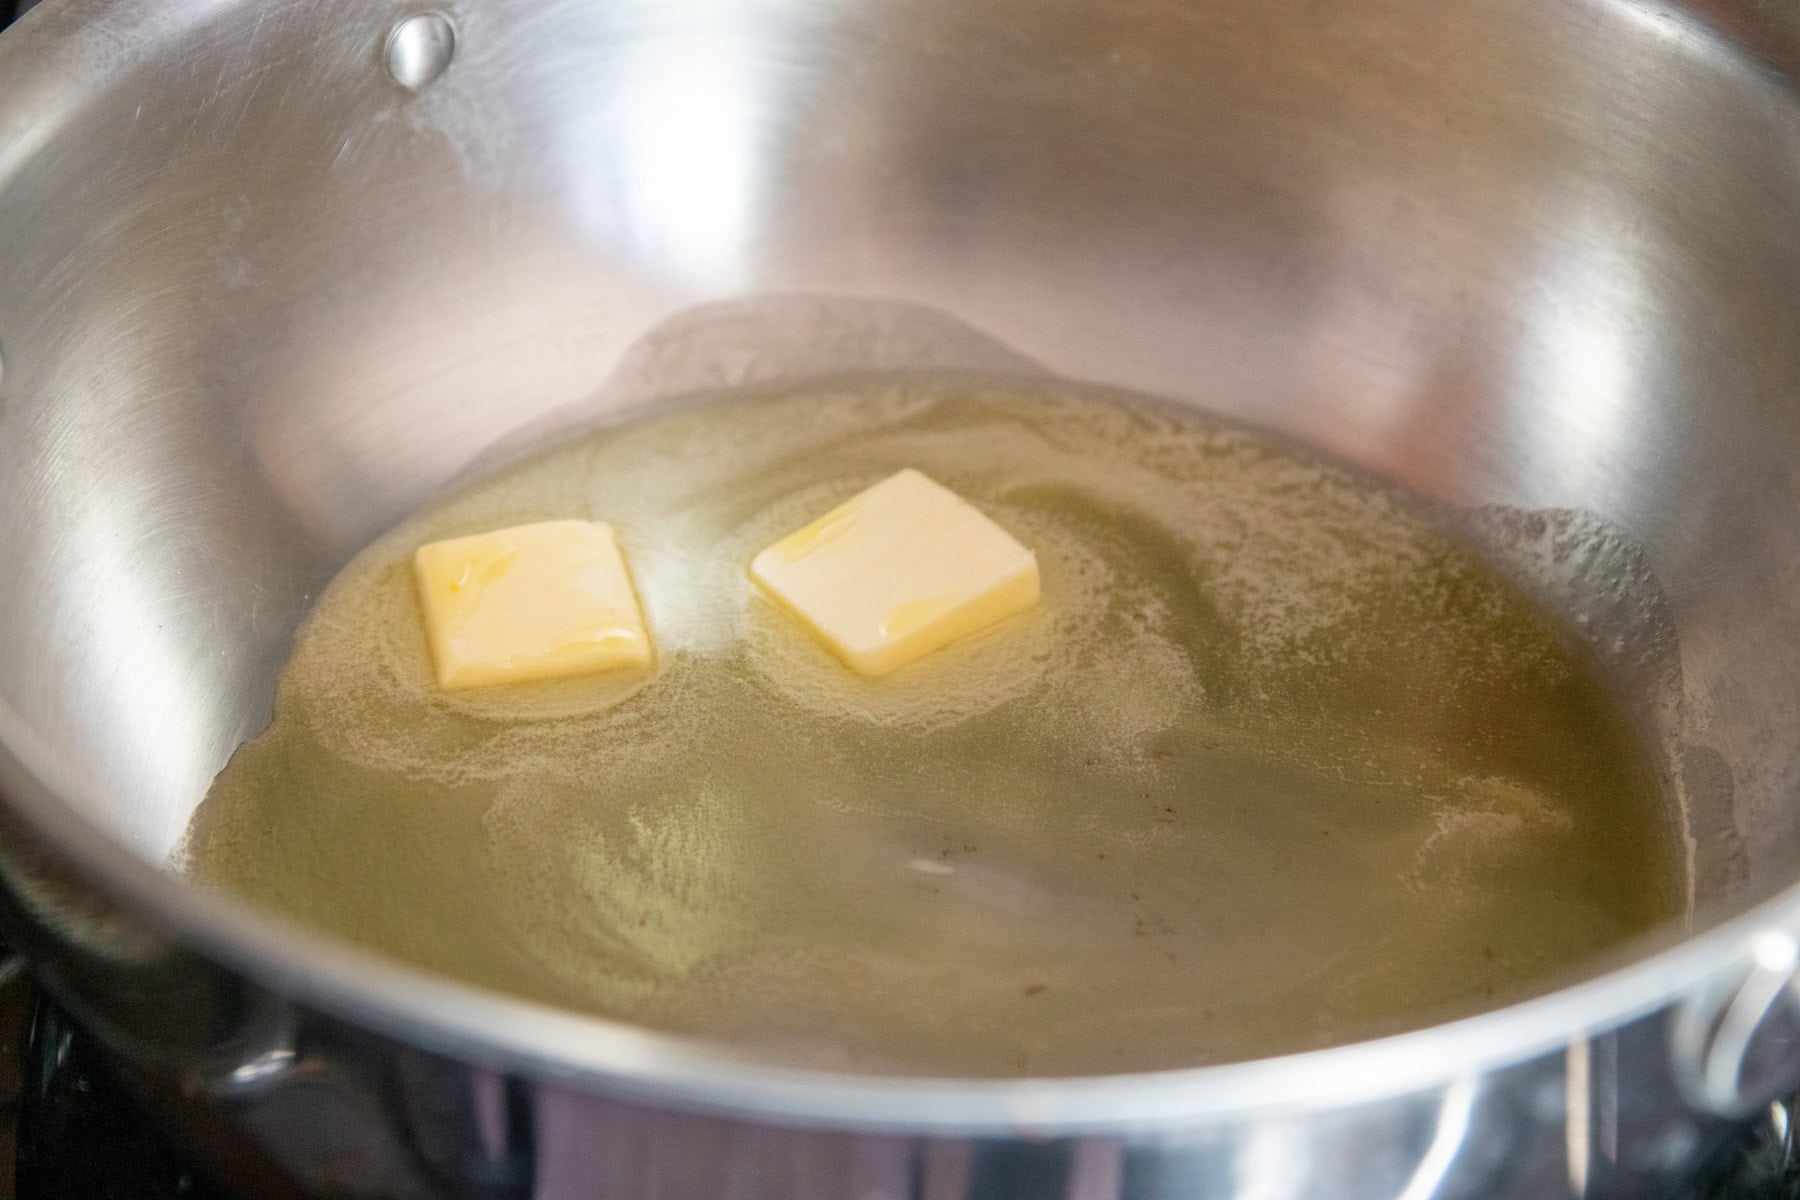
[(262, 299)]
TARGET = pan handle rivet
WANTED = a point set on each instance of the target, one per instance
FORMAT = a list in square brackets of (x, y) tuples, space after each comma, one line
[(419, 48)]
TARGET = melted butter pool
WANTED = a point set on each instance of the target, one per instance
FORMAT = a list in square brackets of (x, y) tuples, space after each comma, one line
[(1274, 764)]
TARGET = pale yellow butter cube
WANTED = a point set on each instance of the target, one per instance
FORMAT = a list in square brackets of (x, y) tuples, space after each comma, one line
[(531, 602), (898, 571)]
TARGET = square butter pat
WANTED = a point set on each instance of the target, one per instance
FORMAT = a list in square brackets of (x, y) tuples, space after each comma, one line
[(897, 572), (531, 602)]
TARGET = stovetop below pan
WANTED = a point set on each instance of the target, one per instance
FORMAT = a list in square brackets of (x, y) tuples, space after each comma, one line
[(80, 1136)]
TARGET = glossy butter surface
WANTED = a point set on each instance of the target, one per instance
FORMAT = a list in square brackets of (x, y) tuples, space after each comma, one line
[(539, 601), (897, 571)]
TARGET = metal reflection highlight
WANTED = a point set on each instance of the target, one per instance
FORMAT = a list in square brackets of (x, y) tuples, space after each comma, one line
[(1440, 1155)]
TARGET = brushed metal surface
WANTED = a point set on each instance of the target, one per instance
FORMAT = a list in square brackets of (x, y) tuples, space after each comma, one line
[(270, 275)]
